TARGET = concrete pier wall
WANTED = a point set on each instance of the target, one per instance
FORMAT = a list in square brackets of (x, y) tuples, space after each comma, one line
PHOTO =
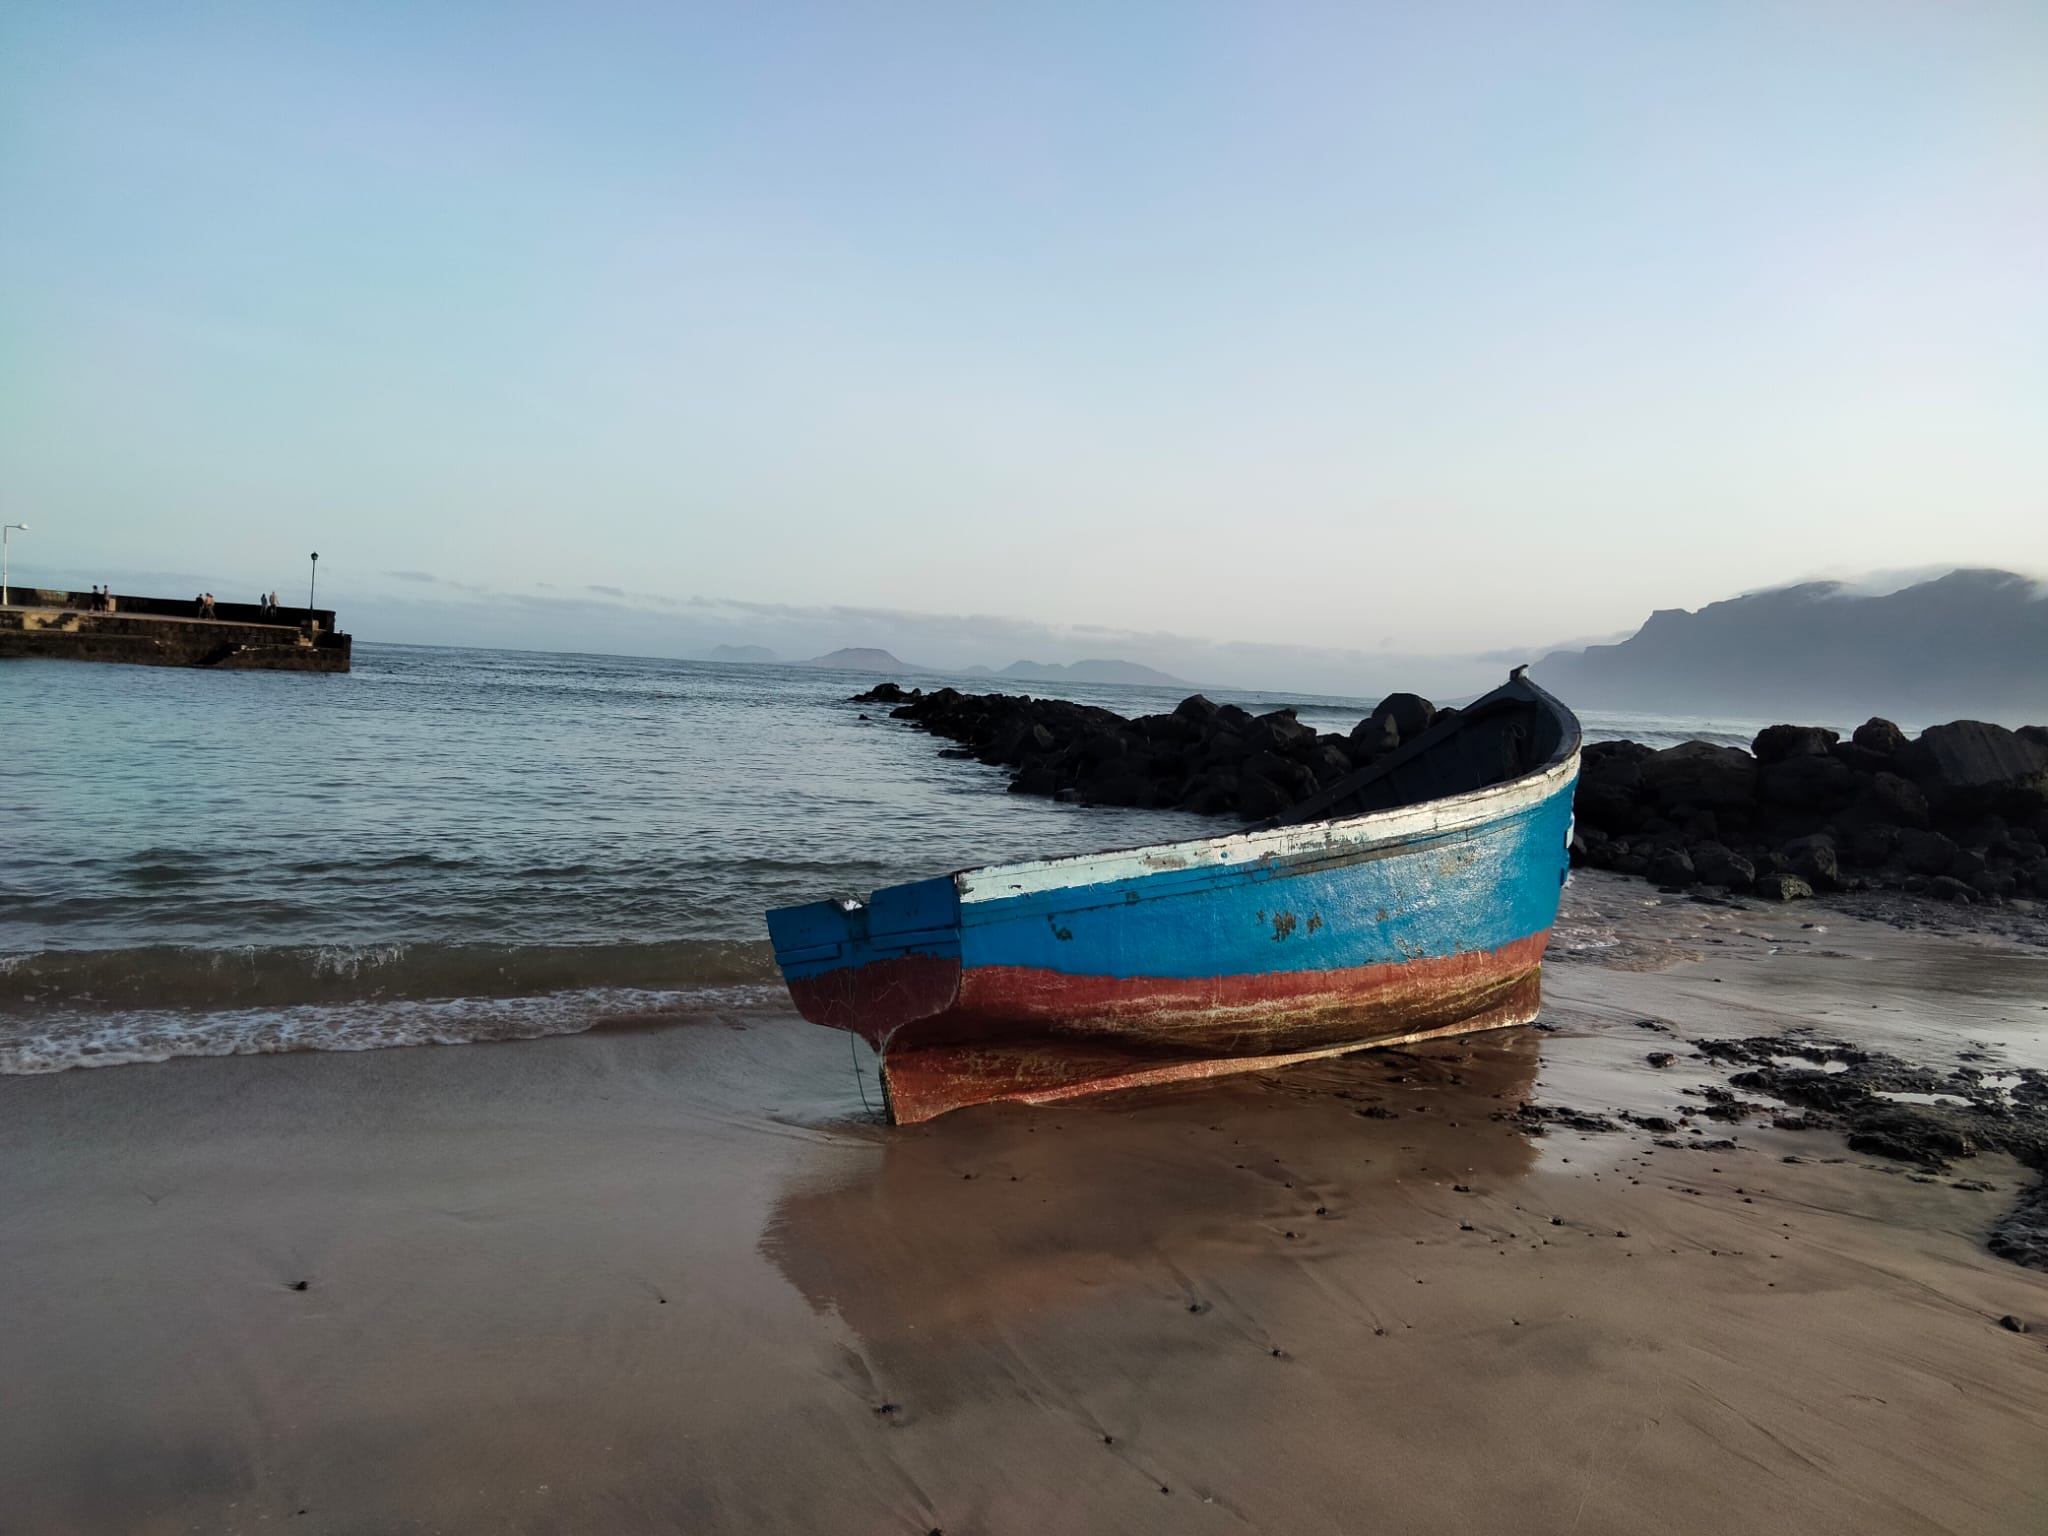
[(142, 638), (168, 607)]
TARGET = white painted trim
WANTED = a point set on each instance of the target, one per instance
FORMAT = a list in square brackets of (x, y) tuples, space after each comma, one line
[(1350, 834)]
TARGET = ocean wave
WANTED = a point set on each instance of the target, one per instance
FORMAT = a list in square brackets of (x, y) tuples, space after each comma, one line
[(126, 1037), (159, 977)]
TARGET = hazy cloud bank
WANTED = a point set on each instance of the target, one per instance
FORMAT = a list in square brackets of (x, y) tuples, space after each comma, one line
[(603, 617)]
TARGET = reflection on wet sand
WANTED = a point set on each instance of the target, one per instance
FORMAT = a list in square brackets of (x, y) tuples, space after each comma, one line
[(961, 1224)]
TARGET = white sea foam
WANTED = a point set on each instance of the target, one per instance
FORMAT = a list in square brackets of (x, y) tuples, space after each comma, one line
[(56, 1043)]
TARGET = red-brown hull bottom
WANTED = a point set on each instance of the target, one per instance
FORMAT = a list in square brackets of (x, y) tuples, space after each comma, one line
[(923, 1081)]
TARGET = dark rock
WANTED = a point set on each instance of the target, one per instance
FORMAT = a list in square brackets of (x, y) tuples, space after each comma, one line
[(1536, 1116), (1015, 739), (1888, 800), (1971, 766), (1606, 808), (887, 693), (1224, 749), (1717, 865), (1899, 1133), (1661, 1058), (1672, 866), (1869, 847), (1329, 764), (1196, 710), (1696, 773), (1167, 730), (1410, 713), (1948, 888), (1036, 779), (1104, 747), (1859, 761), (1813, 860), (1879, 735), (1776, 743), (1120, 789), (2012, 1324), (1925, 853), (1781, 887), (1292, 778), (1280, 731), (1615, 762), (1806, 782), (1611, 788), (1258, 798), (1373, 737), (1211, 792), (1696, 825)]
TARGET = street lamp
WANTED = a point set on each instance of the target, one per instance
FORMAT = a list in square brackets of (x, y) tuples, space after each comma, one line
[(4, 531), (311, 582)]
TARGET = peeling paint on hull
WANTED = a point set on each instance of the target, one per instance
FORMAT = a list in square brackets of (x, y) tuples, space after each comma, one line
[(923, 1084), (1048, 980)]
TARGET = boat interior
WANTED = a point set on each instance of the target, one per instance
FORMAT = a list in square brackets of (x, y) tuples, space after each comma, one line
[(1516, 730)]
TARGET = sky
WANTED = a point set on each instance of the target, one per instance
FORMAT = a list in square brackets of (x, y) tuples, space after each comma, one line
[(1263, 331)]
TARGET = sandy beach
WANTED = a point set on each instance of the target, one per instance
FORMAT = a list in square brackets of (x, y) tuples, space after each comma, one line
[(667, 1278)]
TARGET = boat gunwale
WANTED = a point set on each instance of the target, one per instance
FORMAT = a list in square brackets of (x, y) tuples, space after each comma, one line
[(1448, 814), (1360, 834)]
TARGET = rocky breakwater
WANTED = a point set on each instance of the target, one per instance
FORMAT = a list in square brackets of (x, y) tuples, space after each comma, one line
[(1959, 813), (1214, 759)]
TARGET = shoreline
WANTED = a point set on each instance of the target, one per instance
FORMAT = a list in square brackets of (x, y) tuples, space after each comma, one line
[(668, 1277)]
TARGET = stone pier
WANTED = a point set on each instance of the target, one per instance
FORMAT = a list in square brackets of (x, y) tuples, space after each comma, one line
[(163, 632)]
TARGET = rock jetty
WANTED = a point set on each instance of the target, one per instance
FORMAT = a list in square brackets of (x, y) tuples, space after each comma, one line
[(1959, 813), (1214, 759)]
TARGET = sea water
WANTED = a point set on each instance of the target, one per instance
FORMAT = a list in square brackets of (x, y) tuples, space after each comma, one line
[(461, 845)]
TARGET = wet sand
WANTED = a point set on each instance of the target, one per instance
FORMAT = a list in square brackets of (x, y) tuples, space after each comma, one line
[(667, 1279)]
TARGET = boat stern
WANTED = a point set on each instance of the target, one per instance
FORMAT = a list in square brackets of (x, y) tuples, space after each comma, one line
[(871, 967)]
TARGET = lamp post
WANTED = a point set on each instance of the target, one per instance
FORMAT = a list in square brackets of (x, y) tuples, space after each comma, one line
[(4, 531), (312, 581)]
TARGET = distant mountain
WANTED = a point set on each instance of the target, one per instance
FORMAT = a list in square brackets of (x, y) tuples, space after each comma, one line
[(740, 653), (1971, 643), (860, 658), (1099, 671)]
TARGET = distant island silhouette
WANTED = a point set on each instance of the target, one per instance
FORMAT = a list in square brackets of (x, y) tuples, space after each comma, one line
[(1100, 670), (863, 658), (868, 658), (1973, 642)]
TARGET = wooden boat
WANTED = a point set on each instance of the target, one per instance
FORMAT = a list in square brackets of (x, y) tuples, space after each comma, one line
[(1409, 900)]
